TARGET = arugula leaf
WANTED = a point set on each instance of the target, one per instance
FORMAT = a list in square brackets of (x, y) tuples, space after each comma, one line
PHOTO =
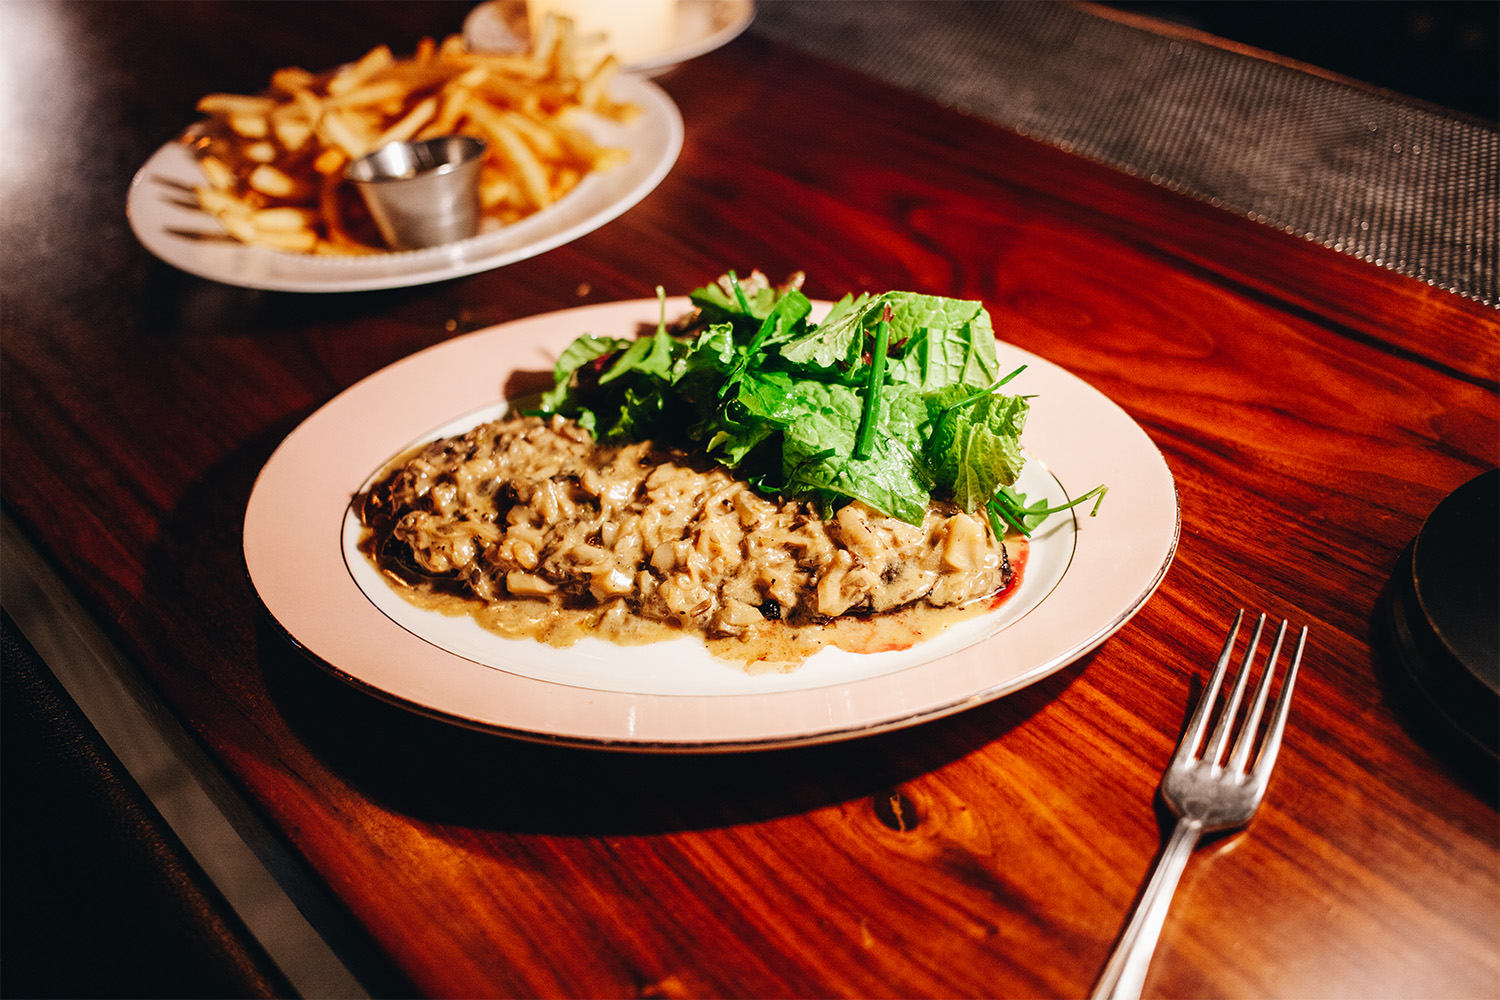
[(819, 458), (762, 406), (648, 356), (835, 342), (577, 354), (1026, 518), (976, 448), (796, 409), (935, 357), (790, 310), (729, 298)]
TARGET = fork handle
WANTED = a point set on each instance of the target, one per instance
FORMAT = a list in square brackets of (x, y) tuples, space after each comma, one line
[(1125, 974)]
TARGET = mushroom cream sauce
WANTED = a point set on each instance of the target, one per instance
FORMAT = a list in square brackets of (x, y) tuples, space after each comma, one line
[(526, 525)]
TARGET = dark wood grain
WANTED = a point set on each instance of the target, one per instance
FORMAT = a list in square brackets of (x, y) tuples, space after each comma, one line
[(1312, 408)]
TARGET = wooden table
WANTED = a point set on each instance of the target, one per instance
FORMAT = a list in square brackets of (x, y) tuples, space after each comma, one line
[(1313, 409)]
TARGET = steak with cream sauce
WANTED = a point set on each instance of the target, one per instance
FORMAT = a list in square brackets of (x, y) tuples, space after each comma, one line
[(529, 514)]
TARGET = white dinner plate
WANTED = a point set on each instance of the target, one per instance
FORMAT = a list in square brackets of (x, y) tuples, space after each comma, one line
[(167, 220), (700, 27), (1084, 577)]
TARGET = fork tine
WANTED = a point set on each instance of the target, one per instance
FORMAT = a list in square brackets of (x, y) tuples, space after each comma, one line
[(1267, 760), (1205, 797), (1220, 737), (1199, 722), (1240, 755)]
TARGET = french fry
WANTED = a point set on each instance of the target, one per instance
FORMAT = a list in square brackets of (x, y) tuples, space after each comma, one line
[(372, 62), (261, 152), (580, 148), (330, 162), (290, 240), (225, 105), (450, 112), (470, 78), (270, 181), (495, 188), (284, 219), (531, 173), (291, 127), (300, 241), (251, 126), (217, 172), (370, 93), (240, 227), (516, 67), (291, 79), (220, 202), (504, 91), (309, 104), (338, 131), (592, 89), (543, 141), (565, 180), (273, 163), (407, 127)]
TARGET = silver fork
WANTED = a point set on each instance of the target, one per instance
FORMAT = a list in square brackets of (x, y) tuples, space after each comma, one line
[(1207, 793)]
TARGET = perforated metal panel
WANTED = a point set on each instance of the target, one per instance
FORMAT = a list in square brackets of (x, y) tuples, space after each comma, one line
[(1390, 180)]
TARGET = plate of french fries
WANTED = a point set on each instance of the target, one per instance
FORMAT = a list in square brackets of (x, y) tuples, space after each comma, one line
[(255, 193)]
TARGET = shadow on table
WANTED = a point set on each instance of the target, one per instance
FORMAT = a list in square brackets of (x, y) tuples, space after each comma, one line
[(446, 773), (225, 659), (440, 772), (91, 868)]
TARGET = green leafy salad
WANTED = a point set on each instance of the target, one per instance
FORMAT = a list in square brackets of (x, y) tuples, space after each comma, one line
[(893, 399)]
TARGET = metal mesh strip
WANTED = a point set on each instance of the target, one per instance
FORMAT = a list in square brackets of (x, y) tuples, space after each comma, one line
[(1396, 182)]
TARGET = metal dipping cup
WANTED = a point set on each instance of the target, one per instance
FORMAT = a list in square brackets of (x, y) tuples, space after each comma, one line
[(422, 194)]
